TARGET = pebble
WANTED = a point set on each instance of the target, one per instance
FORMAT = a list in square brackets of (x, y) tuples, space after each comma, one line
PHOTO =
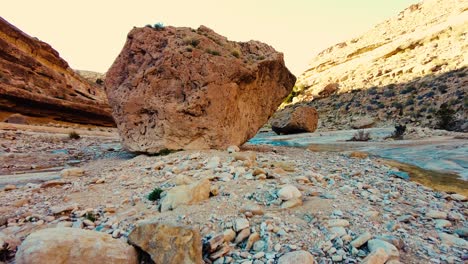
[(361, 240), (289, 192), (436, 214), (240, 224)]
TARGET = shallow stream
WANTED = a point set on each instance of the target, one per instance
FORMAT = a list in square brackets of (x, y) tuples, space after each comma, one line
[(438, 162)]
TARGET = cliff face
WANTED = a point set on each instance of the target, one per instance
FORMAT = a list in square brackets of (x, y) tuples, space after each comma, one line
[(404, 68), (425, 39), (35, 81)]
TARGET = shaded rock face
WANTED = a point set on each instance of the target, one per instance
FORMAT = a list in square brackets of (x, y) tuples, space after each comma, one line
[(295, 120), (180, 88), (16, 119), (168, 244), (35, 81), (72, 245)]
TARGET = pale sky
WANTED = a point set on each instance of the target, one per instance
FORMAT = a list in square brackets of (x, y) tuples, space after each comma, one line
[(89, 34)]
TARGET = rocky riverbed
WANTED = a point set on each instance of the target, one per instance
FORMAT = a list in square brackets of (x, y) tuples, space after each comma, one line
[(260, 204)]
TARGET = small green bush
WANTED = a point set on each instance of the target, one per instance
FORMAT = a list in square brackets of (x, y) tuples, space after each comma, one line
[(398, 133), (410, 101), (90, 216), (235, 53), (445, 117), (442, 88), (408, 89), (372, 90), (155, 194), (397, 105), (213, 52), (73, 135), (388, 93)]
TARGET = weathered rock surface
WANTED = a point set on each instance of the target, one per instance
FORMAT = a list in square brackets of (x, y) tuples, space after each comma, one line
[(178, 88), (72, 245), (35, 80), (296, 120), (168, 244), (186, 194)]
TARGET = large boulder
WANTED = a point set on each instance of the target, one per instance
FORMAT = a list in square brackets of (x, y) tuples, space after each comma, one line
[(179, 88), (36, 81), (74, 246), (167, 243), (293, 120)]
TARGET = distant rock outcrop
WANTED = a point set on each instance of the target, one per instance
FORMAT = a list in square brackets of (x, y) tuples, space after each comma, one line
[(293, 120), (35, 81), (402, 70), (180, 88)]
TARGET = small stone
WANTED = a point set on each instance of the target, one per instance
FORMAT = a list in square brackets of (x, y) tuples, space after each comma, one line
[(436, 214), (337, 258), (361, 240), (9, 187), (232, 149), (289, 192), (442, 223), (259, 246), (116, 233), (462, 232), (244, 234), (254, 237), (253, 208), (291, 203), (338, 222), (229, 235), (338, 231), (240, 224), (213, 163), (451, 240), (379, 256), (259, 255), (88, 222), (458, 197), (390, 249), (224, 250), (297, 257), (72, 172), (277, 247)]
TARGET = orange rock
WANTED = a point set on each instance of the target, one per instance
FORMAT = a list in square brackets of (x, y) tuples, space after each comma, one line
[(35, 80), (359, 155), (178, 88)]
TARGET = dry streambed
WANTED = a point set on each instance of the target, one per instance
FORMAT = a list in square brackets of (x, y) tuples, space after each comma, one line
[(260, 205)]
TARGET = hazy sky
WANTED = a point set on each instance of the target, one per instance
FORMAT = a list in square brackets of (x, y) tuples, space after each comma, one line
[(89, 34)]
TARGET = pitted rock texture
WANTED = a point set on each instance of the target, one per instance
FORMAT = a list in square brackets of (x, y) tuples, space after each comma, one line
[(179, 88), (34, 80)]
